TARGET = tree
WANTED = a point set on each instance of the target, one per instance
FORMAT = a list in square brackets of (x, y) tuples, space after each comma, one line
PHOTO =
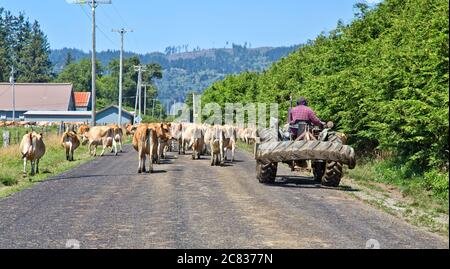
[(25, 46), (79, 74), (35, 63), (69, 59)]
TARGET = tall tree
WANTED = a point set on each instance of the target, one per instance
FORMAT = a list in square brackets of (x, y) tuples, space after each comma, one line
[(69, 59), (35, 62), (25, 46)]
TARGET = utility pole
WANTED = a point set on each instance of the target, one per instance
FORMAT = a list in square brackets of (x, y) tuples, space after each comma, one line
[(145, 98), (153, 110), (139, 69), (93, 4), (121, 32), (194, 106), (13, 86)]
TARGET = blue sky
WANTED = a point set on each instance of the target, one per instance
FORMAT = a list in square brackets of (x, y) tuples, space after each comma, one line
[(204, 23)]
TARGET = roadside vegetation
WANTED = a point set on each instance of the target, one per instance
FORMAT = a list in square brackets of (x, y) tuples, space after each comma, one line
[(383, 79)]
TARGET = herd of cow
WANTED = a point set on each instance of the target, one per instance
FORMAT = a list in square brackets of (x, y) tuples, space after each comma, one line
[(151, 141)]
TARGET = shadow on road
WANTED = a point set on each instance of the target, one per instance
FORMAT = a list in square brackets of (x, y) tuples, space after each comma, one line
[(306, 183), (57, 178)]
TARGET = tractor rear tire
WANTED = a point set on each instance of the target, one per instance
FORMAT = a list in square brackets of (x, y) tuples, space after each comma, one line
[(266, 173), (333, 174), (334, 171)]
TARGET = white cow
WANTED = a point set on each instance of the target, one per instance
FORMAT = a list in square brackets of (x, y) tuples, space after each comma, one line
[(32, 149)]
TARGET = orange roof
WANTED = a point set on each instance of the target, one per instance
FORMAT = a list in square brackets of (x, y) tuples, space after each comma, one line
[(82, 99)]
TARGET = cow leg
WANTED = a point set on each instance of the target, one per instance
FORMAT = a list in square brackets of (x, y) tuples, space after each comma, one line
[(115, 147), (222, 157), (225, 157), (150, 163), (67, 154), (140, 161), (25, 166), (120, 144), (213, 156), (32, 168), (194, 149), (37, 166), (159, 149), (104, 149), (144, 170), (233, 151), (71, 152)]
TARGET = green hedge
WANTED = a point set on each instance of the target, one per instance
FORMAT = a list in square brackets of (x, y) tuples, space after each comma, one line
[(383, 79)]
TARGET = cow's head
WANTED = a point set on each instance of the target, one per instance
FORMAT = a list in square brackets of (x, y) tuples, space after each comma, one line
[(84, 138), (83, 129), (165, 131)]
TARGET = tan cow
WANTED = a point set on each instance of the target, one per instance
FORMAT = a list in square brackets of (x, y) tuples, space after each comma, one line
[(99, 136), (177, 135), (212, 139), (32, 149), (83, 129), (161, 137), (193, 137), (144, 141), (118, 137), (70, 142), (227, 142), (131, 129)]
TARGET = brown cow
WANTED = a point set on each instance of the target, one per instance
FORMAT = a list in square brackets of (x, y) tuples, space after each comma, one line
[(32, 149), (70, 143), (83, 129), (130, 129), (144, 139), (162, 134), (99, 136), (118, 135)]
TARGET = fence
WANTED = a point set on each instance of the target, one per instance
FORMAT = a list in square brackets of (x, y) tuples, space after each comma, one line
[(10, 136)]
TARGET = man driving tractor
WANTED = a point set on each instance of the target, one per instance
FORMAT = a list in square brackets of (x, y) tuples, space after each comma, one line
[(300, 116)]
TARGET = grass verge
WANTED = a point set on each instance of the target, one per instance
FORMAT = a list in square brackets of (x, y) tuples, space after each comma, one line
[(53, 163), (421, 200)]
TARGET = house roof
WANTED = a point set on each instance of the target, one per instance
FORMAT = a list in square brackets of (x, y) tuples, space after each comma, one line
[(82, 99), (116, 107), (58, 113), (36, 96), (73, 113)]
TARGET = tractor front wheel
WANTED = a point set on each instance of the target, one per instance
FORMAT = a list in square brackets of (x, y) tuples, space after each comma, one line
[(266, 173)]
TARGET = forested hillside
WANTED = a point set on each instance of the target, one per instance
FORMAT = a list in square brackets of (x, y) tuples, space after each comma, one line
[(383, 79), (188, 71)]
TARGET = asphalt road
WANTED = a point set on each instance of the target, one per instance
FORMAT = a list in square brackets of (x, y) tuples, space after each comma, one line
[(189, 204)]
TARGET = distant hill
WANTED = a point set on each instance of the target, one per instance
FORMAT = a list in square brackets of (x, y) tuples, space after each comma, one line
[(189, 71)]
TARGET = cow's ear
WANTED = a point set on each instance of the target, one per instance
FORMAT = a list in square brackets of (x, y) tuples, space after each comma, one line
[(162, 125), (42, 135)]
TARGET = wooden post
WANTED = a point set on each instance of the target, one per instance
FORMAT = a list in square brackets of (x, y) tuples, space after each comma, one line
[(6, 137)]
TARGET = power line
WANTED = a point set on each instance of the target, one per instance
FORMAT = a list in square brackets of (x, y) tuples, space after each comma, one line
[(134, 40), (97, 26)]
